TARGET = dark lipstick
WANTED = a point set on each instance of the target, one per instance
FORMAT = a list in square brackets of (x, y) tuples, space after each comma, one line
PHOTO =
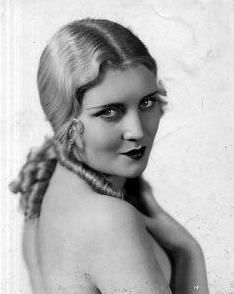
[(135, 153)]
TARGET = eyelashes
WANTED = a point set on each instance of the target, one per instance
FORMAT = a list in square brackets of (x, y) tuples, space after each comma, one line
[(110, 113), (149, 102), (115, 112)]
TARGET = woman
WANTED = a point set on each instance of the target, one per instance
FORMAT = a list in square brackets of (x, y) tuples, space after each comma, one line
[(99, 89)]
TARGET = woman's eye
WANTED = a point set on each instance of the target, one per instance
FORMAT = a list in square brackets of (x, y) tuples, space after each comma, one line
[(148, 103), (110, 114)]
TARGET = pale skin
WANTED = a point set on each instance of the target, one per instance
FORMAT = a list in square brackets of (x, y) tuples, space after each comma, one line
[(87, 243)]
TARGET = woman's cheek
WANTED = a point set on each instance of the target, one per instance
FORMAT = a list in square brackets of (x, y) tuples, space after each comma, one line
[(104, 136), (152, 125)]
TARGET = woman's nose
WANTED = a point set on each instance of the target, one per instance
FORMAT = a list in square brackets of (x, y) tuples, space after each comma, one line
[(133, 128)]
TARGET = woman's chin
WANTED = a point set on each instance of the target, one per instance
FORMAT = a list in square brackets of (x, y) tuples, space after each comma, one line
[(135, 174), (133, 171), (130, 168)]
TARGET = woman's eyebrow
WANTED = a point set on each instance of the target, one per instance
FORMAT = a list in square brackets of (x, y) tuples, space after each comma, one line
[(117, 104), (159, 91), (106, 105)]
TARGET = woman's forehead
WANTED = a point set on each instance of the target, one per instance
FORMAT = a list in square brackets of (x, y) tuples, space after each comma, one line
[(120, 85)]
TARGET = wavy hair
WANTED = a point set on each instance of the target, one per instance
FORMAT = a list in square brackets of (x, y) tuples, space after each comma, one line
[(74, 60)]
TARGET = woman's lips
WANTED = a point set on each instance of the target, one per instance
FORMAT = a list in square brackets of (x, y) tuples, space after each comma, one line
[(135, 153)]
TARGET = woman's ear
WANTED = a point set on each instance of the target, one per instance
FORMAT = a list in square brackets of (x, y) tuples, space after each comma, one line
[(78, 134)]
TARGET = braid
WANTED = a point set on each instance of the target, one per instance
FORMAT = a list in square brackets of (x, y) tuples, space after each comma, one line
[(35, 175), (34, 178), (94, 179)]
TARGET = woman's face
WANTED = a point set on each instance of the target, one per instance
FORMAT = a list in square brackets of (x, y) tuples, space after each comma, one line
[(121, 117)]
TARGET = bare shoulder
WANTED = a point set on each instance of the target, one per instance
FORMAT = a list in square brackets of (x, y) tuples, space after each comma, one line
[(74, 209), (100, 217), (82, 219), (113, 211)]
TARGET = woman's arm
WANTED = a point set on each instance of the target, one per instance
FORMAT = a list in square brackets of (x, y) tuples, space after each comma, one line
[(189, 271)]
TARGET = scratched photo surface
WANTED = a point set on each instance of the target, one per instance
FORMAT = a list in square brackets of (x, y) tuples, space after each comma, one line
[(191, 165)]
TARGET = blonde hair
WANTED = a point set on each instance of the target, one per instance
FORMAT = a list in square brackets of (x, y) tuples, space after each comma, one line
[(74, 60)]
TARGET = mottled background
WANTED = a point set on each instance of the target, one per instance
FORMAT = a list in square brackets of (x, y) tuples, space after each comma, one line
[(192, 163)]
